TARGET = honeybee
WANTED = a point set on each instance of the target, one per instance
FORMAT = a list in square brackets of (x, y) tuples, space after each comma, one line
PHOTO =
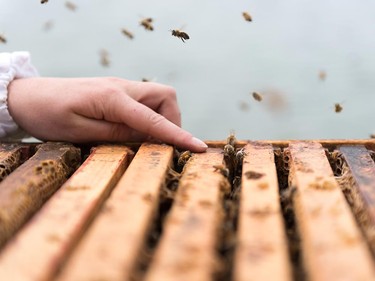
[(222, 169), (71, 6), (372, 136), (104, 60), (147, 24), (244, 106), (127, 33), (246, 16), (338, 108), (48, 25), (180, 34), (240, 154), (3, 39), (43, 1), (322, 75), (184, 157), (229, 150), (257, 96), (231, 139)]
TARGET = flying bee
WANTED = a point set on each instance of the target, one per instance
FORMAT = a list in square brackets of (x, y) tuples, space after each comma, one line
[(104, 59), (180, 34), (338, 108), (48, 25), (322, 75), (147, 23), (70, 5), (127, 33), (372, 136), (43, 1), (247, 16), (3, 39), (184, 157), (257, 96), (222, 169)]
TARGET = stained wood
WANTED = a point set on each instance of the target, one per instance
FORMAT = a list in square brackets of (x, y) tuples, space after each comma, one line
[(112, 245), (187, 247), (360, 187), (261, 250), (332, 245), (41, 247), (10, 158), (24, 191), (329, 143)]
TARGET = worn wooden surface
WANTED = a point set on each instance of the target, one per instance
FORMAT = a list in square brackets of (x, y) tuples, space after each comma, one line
[(332, 244), (114, 241), (106, 223), (261, 238), (24, 191), (187, 247), (10, 158), (359, 185), (329, 143), (41, 247)]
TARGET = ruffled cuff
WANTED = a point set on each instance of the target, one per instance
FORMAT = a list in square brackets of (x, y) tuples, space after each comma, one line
[(12, 66)]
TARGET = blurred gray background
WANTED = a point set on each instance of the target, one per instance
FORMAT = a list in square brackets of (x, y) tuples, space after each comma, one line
[(280, 54)]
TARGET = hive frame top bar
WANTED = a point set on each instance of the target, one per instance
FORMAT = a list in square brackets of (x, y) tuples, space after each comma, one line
[(369, 143)]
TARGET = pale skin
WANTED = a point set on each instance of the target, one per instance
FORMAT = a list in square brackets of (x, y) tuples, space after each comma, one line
[(98, 109)]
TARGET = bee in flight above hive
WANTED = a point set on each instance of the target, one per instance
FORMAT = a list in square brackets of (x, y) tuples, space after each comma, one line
[(180, 34), (338, 108), (70, 6), (127, 33), (247, 16), (3, 39), (257, 96), (147, 23)]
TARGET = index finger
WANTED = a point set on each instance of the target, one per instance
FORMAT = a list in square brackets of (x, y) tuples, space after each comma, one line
[(145, 120)]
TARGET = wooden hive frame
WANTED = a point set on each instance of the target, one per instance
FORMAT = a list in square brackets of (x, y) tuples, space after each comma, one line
[(268, 210)]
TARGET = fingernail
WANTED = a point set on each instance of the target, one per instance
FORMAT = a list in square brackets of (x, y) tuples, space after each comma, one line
[(199, 143)]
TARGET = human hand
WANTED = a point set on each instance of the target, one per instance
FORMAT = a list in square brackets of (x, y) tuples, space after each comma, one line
[(98, 109)]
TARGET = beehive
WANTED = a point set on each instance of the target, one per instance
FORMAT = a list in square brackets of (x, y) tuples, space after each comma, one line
[(287, 210)]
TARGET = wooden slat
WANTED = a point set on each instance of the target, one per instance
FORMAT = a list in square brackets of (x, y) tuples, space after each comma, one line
[(329, 143), (262, 248), (187, 247), (362, 169), (332, 245), (112, 244), (40, 248), (30, 185), (10, 158)]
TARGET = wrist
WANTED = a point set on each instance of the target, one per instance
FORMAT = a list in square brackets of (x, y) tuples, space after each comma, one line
[(12, 66)]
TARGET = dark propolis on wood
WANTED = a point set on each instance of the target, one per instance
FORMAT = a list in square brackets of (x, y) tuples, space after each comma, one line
[(24, 191)]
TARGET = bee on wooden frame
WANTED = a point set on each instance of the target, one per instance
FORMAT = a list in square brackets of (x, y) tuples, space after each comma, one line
[(147, 23), (180, 34), (183, 158), (247, 16), (222, 169)]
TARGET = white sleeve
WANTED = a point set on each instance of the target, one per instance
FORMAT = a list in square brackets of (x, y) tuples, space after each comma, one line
[(12, 66)]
